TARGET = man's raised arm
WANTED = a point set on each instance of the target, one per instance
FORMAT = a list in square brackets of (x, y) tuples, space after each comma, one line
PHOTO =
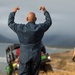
[(11, 22), (48, 22)]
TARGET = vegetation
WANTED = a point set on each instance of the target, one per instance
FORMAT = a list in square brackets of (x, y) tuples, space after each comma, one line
[(62, 64), (59, 73)]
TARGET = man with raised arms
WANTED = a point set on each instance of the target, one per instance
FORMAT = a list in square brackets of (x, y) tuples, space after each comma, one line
[(30, 36)]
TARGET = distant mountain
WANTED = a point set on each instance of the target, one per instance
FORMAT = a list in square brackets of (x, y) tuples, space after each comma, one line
[(67, 41), (60, 41), (3, 39)]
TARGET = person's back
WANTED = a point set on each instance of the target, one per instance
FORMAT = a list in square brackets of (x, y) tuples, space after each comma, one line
[(31, 34), (30, 37)]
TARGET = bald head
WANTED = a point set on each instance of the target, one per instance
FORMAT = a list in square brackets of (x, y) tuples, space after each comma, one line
[(31, 17)]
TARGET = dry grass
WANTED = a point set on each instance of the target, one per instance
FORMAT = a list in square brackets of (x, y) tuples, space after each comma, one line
[(58, 73), (62, 63)]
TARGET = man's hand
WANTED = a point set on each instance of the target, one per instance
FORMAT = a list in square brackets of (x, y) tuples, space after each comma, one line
[(16, 8), (42, 8)]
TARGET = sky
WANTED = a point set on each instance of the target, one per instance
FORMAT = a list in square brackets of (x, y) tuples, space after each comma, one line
[(62, 13)]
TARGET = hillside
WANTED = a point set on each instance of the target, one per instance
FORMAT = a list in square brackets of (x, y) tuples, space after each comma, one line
[(56, 40), (3, 39), (61, 64)]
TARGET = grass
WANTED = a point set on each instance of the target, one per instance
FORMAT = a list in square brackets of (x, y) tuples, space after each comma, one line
[(63, 64), (59, 73)]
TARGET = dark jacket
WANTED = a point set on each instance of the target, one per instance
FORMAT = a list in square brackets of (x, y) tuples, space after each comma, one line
[(30, 35)]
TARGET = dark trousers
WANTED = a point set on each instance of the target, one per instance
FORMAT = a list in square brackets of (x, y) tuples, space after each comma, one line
[(31, 67)]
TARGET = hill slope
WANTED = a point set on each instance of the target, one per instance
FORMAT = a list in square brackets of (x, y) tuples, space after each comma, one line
[(3, 39)]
